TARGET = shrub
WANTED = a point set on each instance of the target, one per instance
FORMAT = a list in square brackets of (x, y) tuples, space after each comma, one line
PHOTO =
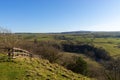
[(46, 49), (79, 66), (50, 53), (112, 69), (95, 53)]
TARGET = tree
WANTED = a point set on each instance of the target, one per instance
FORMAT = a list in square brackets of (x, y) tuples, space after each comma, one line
[(79, 66), (8, 41)]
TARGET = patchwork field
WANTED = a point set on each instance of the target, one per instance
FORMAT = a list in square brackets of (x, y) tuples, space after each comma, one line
[(110, 44), (40, 69)]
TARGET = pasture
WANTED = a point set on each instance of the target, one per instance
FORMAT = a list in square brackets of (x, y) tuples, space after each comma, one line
[(110, 44)]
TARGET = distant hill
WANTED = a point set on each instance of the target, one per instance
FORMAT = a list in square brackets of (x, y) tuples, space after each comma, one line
[(77, 32), (94, 33)]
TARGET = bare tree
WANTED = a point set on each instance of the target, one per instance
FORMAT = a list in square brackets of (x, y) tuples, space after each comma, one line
[(8, 41)]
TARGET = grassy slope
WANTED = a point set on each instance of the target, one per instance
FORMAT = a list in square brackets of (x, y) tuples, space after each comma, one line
[(93, 66), (109, 44), (35, 69)]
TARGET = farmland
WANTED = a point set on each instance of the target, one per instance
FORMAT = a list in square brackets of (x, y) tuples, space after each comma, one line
[(79, 55), (110, 44)]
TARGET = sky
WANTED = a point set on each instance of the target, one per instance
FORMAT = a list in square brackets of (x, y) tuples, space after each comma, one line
[(41, 16)]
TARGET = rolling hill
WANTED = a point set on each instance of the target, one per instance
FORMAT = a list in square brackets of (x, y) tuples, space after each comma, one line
[(35, 69)]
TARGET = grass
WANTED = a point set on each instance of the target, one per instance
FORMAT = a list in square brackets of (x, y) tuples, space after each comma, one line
[(109, 44), (35, 69), (24, 69)]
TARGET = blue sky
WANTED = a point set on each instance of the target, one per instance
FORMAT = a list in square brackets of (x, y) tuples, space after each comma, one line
[(60, 15)]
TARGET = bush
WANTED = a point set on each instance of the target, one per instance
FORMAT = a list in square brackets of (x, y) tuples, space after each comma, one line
[(79, 66), (50, 53), (112, 69), (95, 53), (45, 49)]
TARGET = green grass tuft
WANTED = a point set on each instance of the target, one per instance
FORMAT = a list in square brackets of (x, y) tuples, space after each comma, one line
[(35, 69)]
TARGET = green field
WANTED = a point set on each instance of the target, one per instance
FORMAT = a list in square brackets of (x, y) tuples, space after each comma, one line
[(109, 44), (40, 69)]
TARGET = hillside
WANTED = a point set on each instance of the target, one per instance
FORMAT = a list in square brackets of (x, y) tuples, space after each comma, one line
[(35, 69)]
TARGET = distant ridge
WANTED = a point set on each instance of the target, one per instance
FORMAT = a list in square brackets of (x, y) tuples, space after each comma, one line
[(113, 33), (76, 32)]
